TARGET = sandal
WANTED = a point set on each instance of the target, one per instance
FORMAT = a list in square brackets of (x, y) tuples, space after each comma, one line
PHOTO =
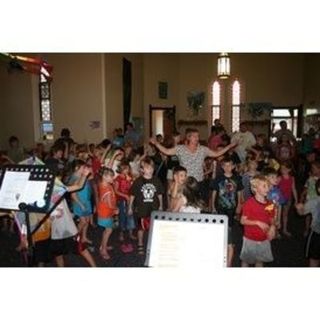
[(140, 250)]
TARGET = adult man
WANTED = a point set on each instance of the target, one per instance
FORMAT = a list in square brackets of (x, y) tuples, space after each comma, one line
[(284, 131), (245, 140)]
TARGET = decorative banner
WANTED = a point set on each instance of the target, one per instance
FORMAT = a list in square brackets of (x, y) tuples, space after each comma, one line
[(26, 64), (195, 100), (257, 109)]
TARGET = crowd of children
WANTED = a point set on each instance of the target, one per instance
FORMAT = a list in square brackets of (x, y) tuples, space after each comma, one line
[(117, 184)]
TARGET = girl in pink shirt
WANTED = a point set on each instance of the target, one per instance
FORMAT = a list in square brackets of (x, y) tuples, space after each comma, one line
[(287, 187)]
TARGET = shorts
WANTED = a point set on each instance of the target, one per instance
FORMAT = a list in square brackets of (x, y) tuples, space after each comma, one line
[(105, 222), (126, 221), (65, 246), (256, 251), (313, 246), (287, 203), (144, 223), (42, 251)]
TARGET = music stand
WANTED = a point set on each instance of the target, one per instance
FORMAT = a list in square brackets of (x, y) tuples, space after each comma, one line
[(187, 240), (27, 188)]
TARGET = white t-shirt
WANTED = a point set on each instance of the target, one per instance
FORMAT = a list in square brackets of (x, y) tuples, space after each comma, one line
[(190, 209), (313, 206), (62, 226), (245, 140)]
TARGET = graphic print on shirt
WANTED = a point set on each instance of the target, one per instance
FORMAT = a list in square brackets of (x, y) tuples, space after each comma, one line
[(148, 190), (227, 194)]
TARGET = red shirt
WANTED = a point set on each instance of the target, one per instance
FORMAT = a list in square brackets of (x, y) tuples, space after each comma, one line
[(103, 209), (254, 210), (285, 186), (124, 185), (96, 165)]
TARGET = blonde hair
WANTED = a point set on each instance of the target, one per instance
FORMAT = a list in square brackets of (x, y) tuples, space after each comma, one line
[(256, 180)]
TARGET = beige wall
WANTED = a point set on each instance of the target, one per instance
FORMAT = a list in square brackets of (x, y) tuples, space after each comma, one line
[(113, 88), (196, 72), (159, 67), (16, 107), (88, 87), (77, 94), (275, 78), (312, 81)]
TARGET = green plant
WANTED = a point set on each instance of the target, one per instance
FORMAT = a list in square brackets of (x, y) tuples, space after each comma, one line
[(258, 109), (195, 100)]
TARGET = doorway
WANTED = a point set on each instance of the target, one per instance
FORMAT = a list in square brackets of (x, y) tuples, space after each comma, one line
[(292, 116), (162, 120)]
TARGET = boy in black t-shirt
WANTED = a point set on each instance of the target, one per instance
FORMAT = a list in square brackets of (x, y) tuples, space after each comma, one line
[(226, 198), (146, 196)]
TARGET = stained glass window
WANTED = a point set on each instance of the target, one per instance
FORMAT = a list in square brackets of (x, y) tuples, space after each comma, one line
[(215, 103), (235, 106), (45, 109)]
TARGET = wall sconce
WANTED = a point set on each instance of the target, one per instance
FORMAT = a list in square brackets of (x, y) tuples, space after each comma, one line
[(223, 66)]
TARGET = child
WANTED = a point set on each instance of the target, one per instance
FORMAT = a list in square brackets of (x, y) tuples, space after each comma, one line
[(55, 162), (191, 196), (8, 223), (107, 208), (207, 174), (146, 196), (135, 158), (227, 191), (310, 191), (287, 187), (226, 199), (274, 195), (122, 186), (64, 233), (250, 172), (258, 221), (98, 156), (313, 242), (81, 200), (284, 150), (216, 165), (114, 162), (15, 151), (175, 190), (173, 161)]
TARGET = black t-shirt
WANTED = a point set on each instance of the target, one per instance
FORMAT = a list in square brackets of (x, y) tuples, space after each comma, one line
[(227, 191), (146, 192), (54, 165)]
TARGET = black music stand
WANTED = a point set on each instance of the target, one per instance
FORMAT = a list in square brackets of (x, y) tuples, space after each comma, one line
[(27, 188)]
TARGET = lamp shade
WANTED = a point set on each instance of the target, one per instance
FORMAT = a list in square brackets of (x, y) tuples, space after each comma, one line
[(223, 66)]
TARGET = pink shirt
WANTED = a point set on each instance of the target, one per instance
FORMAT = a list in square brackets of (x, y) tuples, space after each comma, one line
[(285, 186), (214, 142)]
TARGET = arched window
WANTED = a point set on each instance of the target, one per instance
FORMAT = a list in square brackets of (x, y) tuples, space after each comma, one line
[(45, 108), (215, 102), (235, 106)]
